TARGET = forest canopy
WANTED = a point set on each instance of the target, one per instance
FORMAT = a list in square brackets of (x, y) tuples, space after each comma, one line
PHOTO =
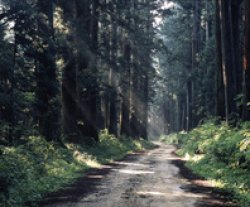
[(204, 63), (71, 69)]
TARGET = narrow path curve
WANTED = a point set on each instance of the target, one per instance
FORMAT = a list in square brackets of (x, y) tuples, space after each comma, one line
[(147, 180)]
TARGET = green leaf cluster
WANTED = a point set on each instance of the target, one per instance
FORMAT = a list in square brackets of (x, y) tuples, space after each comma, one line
[(31, 170), (220, 153)]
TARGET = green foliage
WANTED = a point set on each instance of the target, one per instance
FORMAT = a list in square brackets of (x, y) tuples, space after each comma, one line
[(31, 170), (110, 148), (220, 153), (170, 139)]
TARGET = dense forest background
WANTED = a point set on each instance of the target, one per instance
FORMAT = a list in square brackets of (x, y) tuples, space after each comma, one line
[(72, 69), (205, 67)]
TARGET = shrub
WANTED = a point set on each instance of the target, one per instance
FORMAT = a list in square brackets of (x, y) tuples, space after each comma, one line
[(224, 155), (31, 170)]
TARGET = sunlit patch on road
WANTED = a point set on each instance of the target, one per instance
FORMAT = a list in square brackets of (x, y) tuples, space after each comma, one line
[(135, 172)]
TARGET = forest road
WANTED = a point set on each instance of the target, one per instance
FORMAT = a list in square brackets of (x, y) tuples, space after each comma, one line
[(147, 180)]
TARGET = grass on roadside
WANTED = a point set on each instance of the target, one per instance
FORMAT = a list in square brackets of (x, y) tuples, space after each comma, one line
[(30, 171), (219, 153)]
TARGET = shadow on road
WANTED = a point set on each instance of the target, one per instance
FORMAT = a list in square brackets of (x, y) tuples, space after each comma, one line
[(91, 183), (211, 197), (86, 184)]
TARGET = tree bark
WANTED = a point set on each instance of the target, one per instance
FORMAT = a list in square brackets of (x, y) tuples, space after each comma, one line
[(47, 91), (228, 59), (220, 99), (70, 110), (246, 66), (86, 37), (125, 114), (113, 75)]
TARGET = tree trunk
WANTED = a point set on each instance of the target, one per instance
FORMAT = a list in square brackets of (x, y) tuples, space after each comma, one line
[(69, 102), (10, 109), (196, 38), (47, 91), (236, 31), (86, 37), (144, 130), (220, 99), (125, 114), (113, 75), (70, 110), (246, 112), (126, 81), (228, 61)]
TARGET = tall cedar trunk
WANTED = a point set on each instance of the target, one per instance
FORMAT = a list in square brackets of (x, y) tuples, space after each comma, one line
[(209, 108), (236, 31), (145, 89), (208, 22), (145, 77), (141, 105), (10, 112), (184, 115), (179, 113), (97, 25), (189, 104), (94, 49), (228, 59), (107, 42), (134, 120), (69, 101), (47, 91), (126, 74), (125, 114), (220, 96), (135, 125), (133, 79), (69, 89), (192, 86), (166, 114), (246, 112), (113, 76), (86, 91), (94, 43), (171, 113)]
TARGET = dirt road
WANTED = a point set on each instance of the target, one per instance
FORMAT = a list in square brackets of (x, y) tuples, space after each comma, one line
[(151, 179)]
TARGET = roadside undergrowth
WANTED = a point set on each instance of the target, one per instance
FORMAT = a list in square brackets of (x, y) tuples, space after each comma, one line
[(220, 154), (32, 170)]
